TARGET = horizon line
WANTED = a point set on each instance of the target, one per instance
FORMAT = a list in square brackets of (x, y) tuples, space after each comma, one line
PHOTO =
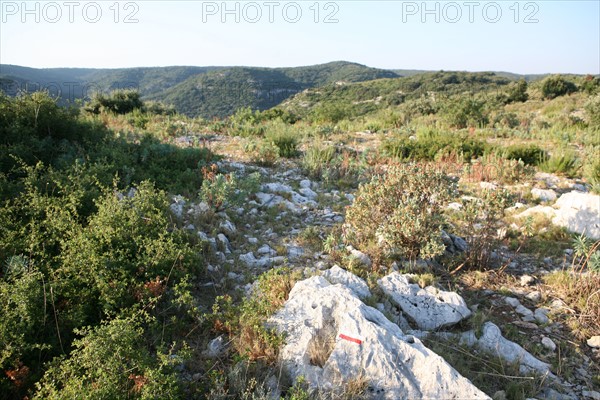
[(303, 66)]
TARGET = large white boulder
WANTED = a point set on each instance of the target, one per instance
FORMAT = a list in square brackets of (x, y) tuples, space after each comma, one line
[(579, 212), (332, 338), (429, 308), (576, 211)]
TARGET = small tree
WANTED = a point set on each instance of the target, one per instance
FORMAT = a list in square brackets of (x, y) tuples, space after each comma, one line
[(556, 86), (464, 112), (517, 92), (118, 102), (590, 84)]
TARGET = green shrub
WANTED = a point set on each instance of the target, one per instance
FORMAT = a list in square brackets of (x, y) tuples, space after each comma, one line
[(421, 106), (517, 92), (590, 84), (117, 102), (139, 119), (464, 111), (505, 120), (286, 143), (529, 154), (222, 191), (158, 108), (25, 331), (429, 145), (243, 116), (317, 158), (400, 214), (247, 130), (169, 167), (592, 110), (556, 86), (562, 161), (111, 361), (262, 152), (127, 243), (34, 128), (76, 250), (331, 112), (477, 221), (274, 114)]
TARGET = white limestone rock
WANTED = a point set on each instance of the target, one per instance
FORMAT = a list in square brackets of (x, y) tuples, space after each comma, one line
[(357, 285), (360, 256), (361, 342), (580, 213), (493, 342), (429, 308), (543, 194), (254, 262)]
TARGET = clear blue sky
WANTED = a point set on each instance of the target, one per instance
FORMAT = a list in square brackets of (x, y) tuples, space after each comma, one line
[(515, 36)]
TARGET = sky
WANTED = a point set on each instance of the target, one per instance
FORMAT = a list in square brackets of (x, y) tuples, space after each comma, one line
[(516, 36)]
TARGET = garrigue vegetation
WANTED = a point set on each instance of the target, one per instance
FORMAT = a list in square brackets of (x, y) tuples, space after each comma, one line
[(101, 284)]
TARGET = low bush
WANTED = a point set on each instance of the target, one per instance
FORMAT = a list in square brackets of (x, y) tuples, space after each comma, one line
[(529, 154), (477, 221), (591, 168), (517, 92), (494, 168), (464, 112), (563, 161), (286, 143), (590, 84), (262, 152), (430, 145), (222, 191), (316, 158), (117, 102), (399, 214), (109, 361), (556, 86)]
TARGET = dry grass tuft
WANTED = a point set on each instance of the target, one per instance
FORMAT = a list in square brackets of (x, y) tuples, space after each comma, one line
[(581, 293), (321, 345)]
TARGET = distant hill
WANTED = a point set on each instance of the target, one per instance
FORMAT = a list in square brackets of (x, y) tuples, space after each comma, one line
[(195, 91), (220, 93), (361, 98), (509, 75), (76, 83)]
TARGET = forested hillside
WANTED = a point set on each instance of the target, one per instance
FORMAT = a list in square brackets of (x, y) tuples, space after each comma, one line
[(194, 91)]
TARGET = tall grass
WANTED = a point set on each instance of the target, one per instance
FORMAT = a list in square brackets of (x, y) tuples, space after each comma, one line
[(563, 161)]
